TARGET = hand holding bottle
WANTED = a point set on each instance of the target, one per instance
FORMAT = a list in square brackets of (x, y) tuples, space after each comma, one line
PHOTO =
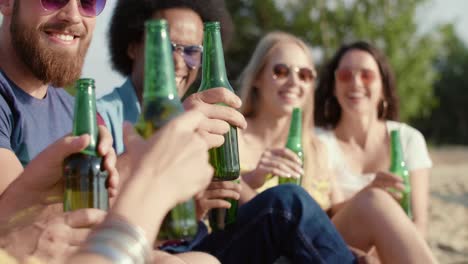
[(215, 196), (218, 105), (281, 162), (388, 182), (170, 167), (43, 178)]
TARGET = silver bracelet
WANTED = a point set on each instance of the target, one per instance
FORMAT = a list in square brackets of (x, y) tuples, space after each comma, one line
[(119, 241), (110, 253)]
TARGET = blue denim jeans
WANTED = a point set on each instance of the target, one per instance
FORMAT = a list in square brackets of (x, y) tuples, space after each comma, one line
[(282, 221)]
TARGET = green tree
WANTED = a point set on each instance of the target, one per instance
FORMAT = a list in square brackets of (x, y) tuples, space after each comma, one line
[(389, 24), (448, 122)]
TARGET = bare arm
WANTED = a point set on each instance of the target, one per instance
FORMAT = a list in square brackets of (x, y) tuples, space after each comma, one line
[(168, 169), (420, 198), (11, 168)]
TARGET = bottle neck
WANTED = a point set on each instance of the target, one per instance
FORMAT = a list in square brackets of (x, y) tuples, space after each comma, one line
[(396, 151), (159, 65), (214, 68), (85, 121), (295, 127), (295, 131)]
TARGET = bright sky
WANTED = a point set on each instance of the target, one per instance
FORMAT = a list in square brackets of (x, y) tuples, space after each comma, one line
[(97, 64)]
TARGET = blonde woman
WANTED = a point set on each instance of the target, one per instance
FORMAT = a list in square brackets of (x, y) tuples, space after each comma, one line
[(279, 77)]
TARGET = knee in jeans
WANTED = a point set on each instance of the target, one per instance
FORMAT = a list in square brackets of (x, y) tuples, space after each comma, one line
[(287, 191), (291, 195)]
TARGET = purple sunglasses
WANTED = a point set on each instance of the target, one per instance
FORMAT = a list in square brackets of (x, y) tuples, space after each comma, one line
[(88, 8)]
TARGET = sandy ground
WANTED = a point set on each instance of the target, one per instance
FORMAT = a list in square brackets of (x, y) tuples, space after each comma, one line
[(448, 212)]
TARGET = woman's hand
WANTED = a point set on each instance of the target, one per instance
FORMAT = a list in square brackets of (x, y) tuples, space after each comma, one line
[(389, 183), (281, 162)]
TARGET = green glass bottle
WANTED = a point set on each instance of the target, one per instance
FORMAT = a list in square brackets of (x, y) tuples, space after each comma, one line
[(294, 142), (85, 181), (160, 105), (224, 159), (398, 167)]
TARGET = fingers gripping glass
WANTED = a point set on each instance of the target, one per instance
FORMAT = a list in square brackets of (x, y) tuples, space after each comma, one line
[(344, 75), (305, 74), (88, 8), (190, 53)]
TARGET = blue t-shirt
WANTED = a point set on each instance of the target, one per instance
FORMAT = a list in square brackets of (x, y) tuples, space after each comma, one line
[(27, 124), (116, 107)]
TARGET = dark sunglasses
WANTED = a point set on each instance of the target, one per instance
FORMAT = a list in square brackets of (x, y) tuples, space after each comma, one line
[(190, 53), (305, 74), (346, 75), (88, 8)]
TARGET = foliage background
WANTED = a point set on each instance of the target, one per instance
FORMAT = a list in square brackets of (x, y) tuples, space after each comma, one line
[(422, 63)]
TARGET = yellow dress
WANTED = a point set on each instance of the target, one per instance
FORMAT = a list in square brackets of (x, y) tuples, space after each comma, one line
[(320, 189)]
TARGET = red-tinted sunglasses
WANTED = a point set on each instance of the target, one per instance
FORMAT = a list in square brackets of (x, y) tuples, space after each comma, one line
[(88, 8), (347, 75), (305, 74)]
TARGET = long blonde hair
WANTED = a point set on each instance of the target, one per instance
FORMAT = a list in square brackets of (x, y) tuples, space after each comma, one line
[(313, 165)]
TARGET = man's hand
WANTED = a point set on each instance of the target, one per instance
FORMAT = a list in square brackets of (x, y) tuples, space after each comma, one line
[(168, 168), (218, 105), (43, 181), (53, 239), (44, 174), (176, 157), (214, 196)]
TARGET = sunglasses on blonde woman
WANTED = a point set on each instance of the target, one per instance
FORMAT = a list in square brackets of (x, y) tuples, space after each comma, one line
[(281, 71), (88, 8), (345, 75)]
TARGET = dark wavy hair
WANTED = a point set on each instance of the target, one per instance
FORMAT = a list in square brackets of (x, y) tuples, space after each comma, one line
[(128, 19), (328, 110)]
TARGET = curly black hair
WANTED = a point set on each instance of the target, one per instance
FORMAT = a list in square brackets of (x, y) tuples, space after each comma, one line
[(128, 19), (327, 109)]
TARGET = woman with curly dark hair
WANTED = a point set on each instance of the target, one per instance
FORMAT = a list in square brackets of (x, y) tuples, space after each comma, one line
[(356, 105)]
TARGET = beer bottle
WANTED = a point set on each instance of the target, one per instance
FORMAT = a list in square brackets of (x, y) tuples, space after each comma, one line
[(224, 159), (160, 105), (398, 167), (294, 142), (85, 181)]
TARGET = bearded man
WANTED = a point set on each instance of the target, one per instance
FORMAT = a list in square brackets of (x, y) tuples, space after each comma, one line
[(42, 47)]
